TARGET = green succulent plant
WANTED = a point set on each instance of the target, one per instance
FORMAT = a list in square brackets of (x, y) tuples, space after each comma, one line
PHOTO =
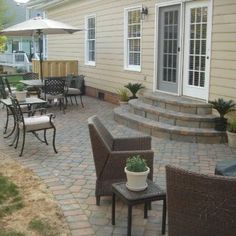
[(136, 164), (123, 94), (20, 87), (231, 127), (134, 88), (223, 107)]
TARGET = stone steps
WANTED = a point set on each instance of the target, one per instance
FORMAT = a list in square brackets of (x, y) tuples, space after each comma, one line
[(171, 117), (180, 104), (163, 130)]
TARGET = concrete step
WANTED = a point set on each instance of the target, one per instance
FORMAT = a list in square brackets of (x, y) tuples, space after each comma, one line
[(163, 130), (171, 117), (176, 103)]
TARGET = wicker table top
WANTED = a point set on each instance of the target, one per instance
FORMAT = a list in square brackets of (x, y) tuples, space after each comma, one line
[(151, 193)]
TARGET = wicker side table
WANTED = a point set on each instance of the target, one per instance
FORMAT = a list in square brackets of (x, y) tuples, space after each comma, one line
[(131, 198)]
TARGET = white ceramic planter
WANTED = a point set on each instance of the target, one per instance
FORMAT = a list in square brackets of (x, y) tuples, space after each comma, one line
[(136, 181), (231, 139), (20, 95)]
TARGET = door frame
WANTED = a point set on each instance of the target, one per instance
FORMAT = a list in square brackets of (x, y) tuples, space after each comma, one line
[(156, 43), (182, 4)]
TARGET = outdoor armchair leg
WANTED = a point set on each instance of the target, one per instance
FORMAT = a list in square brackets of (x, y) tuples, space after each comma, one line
[(45, 136), (53, 142), (23, 143), (81, 101)]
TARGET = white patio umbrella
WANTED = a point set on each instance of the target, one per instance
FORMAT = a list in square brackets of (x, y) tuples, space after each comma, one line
[(39, 26)]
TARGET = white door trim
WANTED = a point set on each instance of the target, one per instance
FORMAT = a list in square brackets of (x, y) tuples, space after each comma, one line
[(182, 41)]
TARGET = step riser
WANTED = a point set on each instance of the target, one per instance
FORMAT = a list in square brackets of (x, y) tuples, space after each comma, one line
[(179, 121), (169, 134), (185, 108)]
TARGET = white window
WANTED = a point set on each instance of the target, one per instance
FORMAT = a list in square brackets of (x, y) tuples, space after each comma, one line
[(90, 40), (133, 39)]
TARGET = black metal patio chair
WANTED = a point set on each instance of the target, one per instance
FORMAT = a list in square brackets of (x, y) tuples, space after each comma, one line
[(32, 124), (75, 88), (55, 89)]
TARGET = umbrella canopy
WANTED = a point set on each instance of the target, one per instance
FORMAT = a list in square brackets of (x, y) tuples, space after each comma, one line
[(37, 27)]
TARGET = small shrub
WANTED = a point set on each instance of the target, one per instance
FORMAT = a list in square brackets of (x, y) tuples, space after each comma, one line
[(136, 164), (231, 127), (223, 107), (123, 94), (20, 87), (134, 88)]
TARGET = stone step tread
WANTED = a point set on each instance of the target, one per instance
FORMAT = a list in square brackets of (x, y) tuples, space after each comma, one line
[(136, 103), (163, 126), (171, 99)]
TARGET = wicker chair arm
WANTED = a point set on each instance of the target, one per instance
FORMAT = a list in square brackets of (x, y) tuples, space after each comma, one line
[(132, 143)]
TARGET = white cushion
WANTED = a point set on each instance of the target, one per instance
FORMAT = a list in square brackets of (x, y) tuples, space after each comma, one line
[(36, 123), (73, 91)]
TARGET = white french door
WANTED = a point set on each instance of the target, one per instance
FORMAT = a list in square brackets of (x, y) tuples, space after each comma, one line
[(197, 49), (184, 71)]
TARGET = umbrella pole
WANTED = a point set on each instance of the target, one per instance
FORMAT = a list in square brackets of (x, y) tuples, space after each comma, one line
[(40, 55)]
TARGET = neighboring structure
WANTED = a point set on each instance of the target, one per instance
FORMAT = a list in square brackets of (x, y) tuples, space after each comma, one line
[(182, 47), (19, 50)]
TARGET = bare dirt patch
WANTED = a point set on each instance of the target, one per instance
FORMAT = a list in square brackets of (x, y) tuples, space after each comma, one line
[(37, 199)]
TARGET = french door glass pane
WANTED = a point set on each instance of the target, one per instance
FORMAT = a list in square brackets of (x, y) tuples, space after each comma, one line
[(170, 39), (197, 46)]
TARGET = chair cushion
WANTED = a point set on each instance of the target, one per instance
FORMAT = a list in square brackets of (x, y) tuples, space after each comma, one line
[(51, 97), (73, 91), (36, 123), (226, 168)]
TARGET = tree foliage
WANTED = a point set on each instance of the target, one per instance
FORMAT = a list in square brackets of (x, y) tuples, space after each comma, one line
[(4, 19)]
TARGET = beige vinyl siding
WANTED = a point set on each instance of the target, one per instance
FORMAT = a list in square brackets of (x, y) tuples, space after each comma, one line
[(223, 57), (109, 73)]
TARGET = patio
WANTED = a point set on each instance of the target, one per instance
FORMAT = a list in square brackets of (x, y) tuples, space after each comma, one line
[(70, 174)]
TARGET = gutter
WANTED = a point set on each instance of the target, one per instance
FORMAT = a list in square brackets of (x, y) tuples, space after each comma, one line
[(45, 4)]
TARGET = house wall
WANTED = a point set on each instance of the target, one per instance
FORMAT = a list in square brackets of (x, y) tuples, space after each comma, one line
[(223, 60), (109, 73)]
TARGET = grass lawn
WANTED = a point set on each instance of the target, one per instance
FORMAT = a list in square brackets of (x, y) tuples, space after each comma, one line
[(14, 79)]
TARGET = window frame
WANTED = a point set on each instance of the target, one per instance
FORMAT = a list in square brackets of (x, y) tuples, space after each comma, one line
[(86, 49), (127, 66)]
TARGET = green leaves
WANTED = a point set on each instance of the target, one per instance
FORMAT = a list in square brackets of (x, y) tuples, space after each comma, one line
[(134, 88), (136, 164), (223, 107)]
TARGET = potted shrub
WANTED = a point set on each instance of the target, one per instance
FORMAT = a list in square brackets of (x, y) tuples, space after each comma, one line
[(231, 132), (123, 95), (20, 92), (223, 107), (134, 88), (136, 172)]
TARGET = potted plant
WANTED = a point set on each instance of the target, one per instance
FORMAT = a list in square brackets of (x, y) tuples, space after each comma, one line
[(20, 92), (231, 132), (123, 95), (134, 88), (136, 172), (223, 107)]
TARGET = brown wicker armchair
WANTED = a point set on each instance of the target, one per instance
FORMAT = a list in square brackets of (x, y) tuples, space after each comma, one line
[(110, 155), (200, 205)]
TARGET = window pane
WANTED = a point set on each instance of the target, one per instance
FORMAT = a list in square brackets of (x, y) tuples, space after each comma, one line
[(91, 39), (133, 37)]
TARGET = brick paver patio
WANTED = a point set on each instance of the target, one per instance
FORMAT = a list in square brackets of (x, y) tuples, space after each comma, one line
[(70, 174)]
